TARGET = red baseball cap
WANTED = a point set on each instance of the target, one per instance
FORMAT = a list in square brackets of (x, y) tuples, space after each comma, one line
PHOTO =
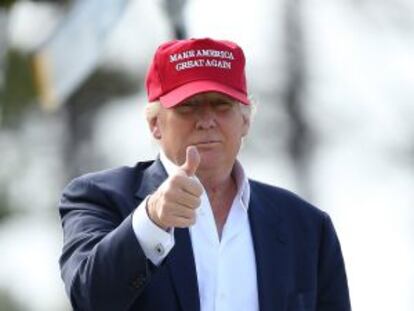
[(183, 68)]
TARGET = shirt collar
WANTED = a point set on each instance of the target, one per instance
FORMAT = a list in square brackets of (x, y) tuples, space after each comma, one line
[(243, 186), (169, 166)]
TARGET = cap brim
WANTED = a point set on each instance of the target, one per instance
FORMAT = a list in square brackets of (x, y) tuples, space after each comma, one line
[(187, 90)]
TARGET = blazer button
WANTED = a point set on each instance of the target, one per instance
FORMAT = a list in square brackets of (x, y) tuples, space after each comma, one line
[(137, 282), (134, 284)]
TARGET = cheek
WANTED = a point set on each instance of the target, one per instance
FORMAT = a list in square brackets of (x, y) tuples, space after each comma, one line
[(234, 138), (183, 130), (178, 134), (239, 130)]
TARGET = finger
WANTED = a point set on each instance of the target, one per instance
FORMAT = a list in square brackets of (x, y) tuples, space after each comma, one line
[(181, 222), (188, 200), (182, 186), (192, 161), (193, 187), (182, 181), (184, 212), (173, 215)]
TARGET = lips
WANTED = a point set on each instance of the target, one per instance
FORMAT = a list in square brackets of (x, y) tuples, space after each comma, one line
[(207, 143)]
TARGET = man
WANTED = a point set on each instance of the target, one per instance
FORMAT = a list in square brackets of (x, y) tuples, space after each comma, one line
[(189, 231)]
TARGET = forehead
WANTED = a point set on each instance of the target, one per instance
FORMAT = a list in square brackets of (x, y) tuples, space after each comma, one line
[(208, 96)]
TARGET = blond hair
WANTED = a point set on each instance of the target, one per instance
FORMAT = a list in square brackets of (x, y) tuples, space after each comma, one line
[(153, 108)]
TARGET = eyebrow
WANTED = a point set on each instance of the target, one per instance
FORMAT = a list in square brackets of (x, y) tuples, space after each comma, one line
[(212, 98)]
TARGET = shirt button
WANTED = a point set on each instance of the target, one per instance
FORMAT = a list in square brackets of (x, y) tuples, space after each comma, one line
[(159, 248)]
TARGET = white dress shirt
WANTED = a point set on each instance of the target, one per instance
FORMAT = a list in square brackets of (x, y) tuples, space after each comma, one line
[(226, 268)]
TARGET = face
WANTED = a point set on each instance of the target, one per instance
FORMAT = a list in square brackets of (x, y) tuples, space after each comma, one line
[(212, 122)]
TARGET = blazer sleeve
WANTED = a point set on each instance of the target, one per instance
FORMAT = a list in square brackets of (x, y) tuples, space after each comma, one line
[(102, 264), (333, 292)]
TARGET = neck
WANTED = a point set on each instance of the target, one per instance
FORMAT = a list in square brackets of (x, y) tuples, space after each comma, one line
[(221, 193)]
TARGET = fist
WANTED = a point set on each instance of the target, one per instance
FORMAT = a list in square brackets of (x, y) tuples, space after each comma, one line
[(175, 202)]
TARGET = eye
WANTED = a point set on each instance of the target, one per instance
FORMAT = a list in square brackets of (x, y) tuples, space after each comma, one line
[(187, 107), (223, 105)]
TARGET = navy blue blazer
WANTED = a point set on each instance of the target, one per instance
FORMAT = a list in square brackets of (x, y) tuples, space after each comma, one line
[(298, 255)]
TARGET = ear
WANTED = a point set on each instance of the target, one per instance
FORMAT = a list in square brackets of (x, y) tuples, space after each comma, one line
[(155, 128), (245, 125)]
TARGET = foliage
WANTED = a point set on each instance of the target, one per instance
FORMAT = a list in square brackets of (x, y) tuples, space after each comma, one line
[(7, 303), (6, 3), (4, 208), (19, 90)]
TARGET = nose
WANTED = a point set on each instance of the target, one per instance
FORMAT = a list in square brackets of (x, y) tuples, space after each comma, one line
[(206, 117)]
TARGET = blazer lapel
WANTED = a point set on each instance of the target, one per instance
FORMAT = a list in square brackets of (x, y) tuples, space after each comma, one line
[(181, 264), (180, 260), (152, 178), (271, 254)]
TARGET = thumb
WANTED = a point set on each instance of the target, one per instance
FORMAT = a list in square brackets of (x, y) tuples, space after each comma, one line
[(192, 161)]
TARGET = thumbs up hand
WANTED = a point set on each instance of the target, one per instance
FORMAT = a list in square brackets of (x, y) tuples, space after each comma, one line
[(192, 161), (175, 202)]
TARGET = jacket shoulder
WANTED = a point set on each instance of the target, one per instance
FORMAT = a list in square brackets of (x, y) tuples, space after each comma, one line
[(287, 203), (124, 178)]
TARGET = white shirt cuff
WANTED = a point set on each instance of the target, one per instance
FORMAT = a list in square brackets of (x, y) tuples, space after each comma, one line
[(155, 242)]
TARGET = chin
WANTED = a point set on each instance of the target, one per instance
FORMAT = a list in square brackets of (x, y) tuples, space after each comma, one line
[(210, 160)]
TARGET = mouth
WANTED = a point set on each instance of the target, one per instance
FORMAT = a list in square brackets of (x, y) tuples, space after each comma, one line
[(207, 143)]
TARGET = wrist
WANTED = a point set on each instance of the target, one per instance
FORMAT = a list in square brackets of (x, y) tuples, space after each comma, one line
[(152, 215)]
